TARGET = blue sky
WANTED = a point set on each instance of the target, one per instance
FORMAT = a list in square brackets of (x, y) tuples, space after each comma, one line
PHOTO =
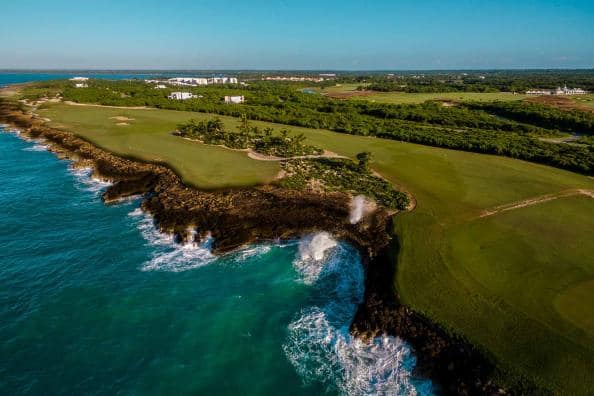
[(305, 34)]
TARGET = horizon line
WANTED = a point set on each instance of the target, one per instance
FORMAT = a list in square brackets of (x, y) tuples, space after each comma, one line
[(67, 69)]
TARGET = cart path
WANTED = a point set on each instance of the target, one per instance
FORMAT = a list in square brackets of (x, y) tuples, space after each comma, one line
[(535, 201)]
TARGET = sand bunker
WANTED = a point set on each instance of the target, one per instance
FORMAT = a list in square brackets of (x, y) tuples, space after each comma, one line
[(122, 123), (121, 118)]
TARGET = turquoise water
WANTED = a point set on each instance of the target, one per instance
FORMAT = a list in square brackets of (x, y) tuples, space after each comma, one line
[(94, 301)]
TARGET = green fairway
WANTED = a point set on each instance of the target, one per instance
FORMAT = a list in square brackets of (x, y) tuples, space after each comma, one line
[(349, 91), (518, 284), (146, 135)]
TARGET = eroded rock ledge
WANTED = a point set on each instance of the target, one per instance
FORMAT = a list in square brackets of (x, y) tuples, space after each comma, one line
[(235, 217)]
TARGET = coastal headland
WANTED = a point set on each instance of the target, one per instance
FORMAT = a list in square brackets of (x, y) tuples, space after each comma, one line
[(488, 252), (238, 216)]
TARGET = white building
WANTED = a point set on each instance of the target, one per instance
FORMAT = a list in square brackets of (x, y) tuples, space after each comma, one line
[(189, 81), (79, 79), (234, 99), (558, 91), (80, 85), (180, 95), (570, 91), (160, 86), (223, 80), (196, 81), (538, 92)]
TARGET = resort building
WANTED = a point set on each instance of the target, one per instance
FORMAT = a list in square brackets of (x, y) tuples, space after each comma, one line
[(160, 86), (558, 91), (234, 99), (570, 91), (80, 85), (79, 79), (180, 95), (196, 81), (538, 92), (294, 78), (191, 81)]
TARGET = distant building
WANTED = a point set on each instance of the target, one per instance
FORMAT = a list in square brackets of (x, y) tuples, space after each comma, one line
[(160, 86), (234, 99), (191, 81), (558, 91), (196, 81), (538, 92), (80, 85), (180, 95), (570, 91), (296, 78), (79, 79)]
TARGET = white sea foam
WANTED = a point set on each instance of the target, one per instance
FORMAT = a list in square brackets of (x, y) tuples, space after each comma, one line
[(8, 129), (169, 255), (86, 181), (252, 251), (36, 147), (312, 250), (319, 344), (357, 209), (323, 353)]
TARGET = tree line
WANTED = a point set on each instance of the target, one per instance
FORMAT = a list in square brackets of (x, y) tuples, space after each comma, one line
[(503, 129)]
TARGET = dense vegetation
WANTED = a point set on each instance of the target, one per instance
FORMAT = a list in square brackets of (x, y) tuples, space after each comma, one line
[(338, 174), (248, 136), (576, 121), (492, 129), (472, 81)]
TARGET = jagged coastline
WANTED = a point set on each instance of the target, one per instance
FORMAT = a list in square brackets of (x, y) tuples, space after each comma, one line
[(235, 217)]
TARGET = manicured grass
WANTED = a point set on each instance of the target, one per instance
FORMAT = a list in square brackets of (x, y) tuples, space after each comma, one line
[(515, 284), (148, 137), (584, 100), (411, 98)]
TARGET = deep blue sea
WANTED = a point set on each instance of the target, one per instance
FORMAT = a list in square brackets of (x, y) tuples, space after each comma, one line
[(94, 301)]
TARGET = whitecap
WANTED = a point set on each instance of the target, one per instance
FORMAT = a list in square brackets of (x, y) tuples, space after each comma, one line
[(36, 147), (319, 344), (169, 255), (86, 181), (252, 251), (312, 251)]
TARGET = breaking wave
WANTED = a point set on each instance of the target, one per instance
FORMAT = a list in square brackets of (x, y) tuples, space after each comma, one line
[(8, 129), (312, 250), (252, 251), (357, 209), (168, 255), (319, 344), (86, 182), (36, 147)]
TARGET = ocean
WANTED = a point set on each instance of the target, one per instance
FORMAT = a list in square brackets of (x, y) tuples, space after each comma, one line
[(95, 301)]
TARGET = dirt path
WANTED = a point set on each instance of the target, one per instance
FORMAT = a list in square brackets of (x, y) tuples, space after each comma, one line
[(263, 157), (535, 201)]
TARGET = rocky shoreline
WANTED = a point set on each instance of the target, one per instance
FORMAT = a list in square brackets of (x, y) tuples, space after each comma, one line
[(235, 217)]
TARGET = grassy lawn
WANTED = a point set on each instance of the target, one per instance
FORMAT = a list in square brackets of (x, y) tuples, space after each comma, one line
[(518, 284), (584, 100), (148, 137), (411, 98)]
